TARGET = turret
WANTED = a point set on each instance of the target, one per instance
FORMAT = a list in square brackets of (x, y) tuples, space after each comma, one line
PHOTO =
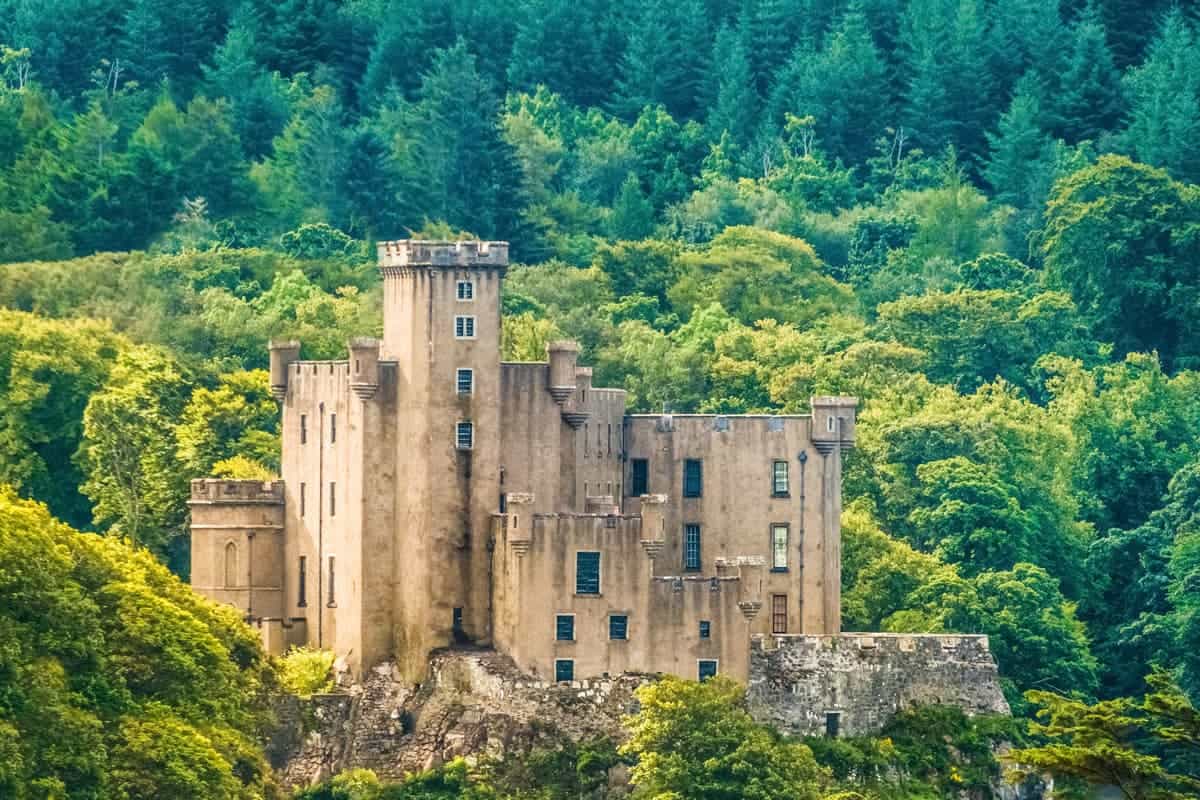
[(364, 366), (564, 355), (283, 354), (833, 422)]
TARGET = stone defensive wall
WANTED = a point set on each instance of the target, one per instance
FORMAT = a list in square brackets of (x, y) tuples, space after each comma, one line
[(852, 683)]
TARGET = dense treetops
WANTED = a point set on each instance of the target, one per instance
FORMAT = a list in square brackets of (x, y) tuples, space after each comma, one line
[(116, 680), (981, 218)]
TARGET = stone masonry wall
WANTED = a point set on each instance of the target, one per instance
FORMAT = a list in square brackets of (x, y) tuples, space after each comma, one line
[(796, 680)]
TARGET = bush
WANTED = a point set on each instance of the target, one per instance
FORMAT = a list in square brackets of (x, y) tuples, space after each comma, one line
[(306, 671)]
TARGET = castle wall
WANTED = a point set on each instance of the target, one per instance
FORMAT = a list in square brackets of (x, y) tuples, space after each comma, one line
[(738, 505), (533, 436), (342, 528), (599, 444), (445, 494), (864, 679), (237, 544), (534, 569)]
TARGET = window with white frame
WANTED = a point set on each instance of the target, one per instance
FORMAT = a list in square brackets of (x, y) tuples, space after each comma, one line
[(779, 546), (466, 290), (464, 327), (779, 478), (464, 436), (465, 381)]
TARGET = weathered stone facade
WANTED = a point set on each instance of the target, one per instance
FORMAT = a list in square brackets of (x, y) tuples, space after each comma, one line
[(432, 495), (854, 682)]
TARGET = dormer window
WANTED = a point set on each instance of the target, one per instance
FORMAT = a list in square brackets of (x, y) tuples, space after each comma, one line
[(466, 291)]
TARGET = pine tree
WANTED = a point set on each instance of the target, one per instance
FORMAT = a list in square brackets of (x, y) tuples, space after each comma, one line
[(767, 27), (733, 107), (663, 62), (162, 39), (944, 52), (1164, 95), (261, 107), (1088, 99), (632, 214), (1023, 35), (570, 46), (1017, 148)]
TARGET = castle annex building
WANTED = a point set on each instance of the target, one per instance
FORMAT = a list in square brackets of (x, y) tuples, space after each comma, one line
[(434, 495)]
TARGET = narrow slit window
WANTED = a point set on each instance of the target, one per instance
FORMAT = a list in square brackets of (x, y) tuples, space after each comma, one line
[(302, 487), (332, 583), (691, 547), (465, 381), (332, 499), (779, 547), (564, 628), (779, 478), (693, 478), (464, 437), (302, 583), (231, 565), (332, 428), (303, 428)]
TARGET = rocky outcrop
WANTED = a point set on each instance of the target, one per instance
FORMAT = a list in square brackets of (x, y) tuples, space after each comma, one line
[(473, 703)]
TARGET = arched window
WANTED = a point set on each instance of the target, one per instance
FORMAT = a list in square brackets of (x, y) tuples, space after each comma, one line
[(231, 565)]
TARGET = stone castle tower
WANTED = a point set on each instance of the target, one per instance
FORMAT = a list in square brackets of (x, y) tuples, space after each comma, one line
[(433, 495)]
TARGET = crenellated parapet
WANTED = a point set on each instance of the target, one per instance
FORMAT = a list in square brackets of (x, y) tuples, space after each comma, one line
[(232, 491), (405, 253)]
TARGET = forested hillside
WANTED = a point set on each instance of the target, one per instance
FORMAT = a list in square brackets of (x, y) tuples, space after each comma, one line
[(980, 217)]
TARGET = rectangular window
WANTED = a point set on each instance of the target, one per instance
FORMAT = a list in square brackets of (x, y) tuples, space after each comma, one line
[(693, 478), (464, 327), (586, 441), (691, 547), (332, 575), (332, 428), (779, 547), (618, 627), (779, 613), (464, 437), (779, 479), (610, 438), (302, 499), (465, 382), (466, 290), (456, 621), (587, 573), (332, 499), (641, 473), (705, 629), (833, 723), (303, 428), (564, 628), (503, 503), (706, 668), (302, 592), (564, 669)]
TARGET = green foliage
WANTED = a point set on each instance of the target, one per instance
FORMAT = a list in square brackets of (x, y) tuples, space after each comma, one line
[(697, 740), (1114, 742), (1122, 238), (118, 677), (306, 671)]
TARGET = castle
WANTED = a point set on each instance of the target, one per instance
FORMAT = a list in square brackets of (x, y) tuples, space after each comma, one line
[(434, 495)]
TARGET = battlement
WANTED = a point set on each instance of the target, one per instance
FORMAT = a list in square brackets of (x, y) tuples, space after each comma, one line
[(228, 490), (420, 253)]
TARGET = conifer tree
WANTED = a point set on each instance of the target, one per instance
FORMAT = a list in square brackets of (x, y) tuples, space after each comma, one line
[(663, 62), (632, 214), (734, 103), (1018, 148), (1164, 96), (767, 28), (1088, 97)]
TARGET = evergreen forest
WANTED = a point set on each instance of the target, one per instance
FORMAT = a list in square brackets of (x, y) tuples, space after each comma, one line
[(980, 217)]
